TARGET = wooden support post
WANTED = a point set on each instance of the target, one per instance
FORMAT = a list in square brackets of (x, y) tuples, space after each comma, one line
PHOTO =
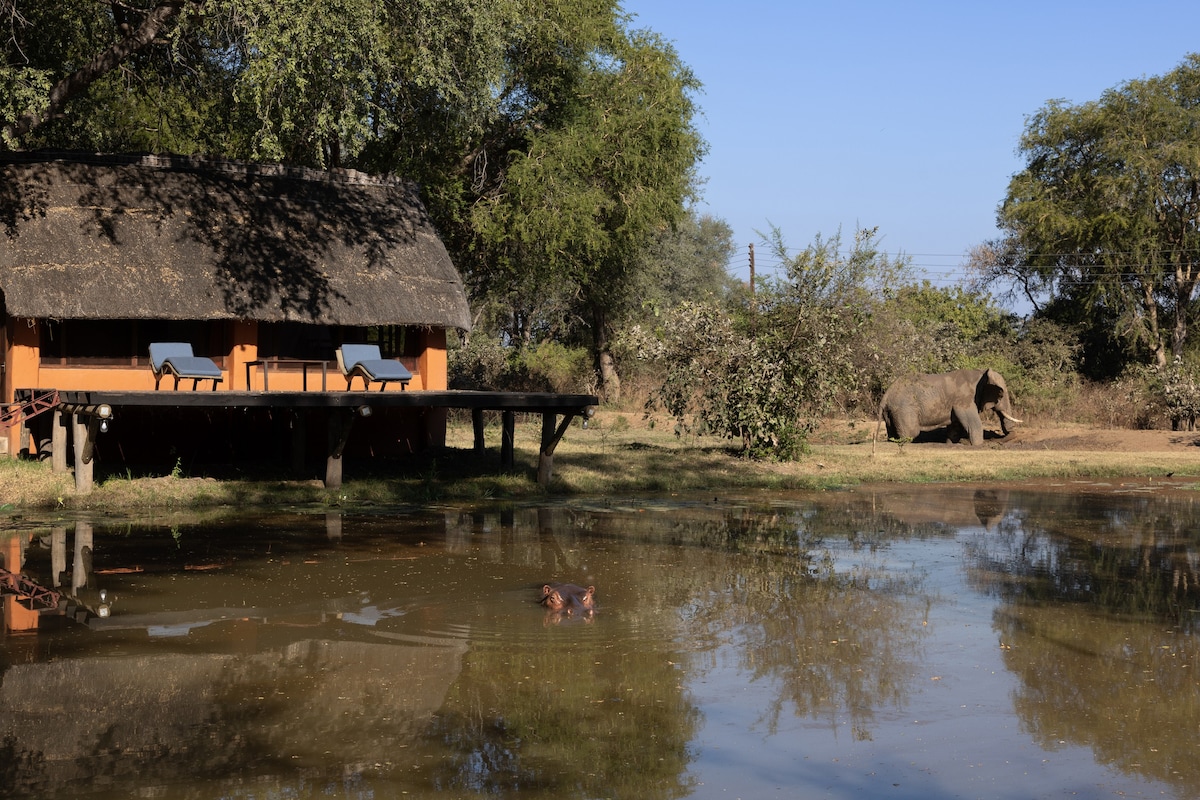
[(58, 441), (509, 425), (58, 555), (81, 567), (340, 423), (551, 436), (81, 434), (333, 526), (477, 425)]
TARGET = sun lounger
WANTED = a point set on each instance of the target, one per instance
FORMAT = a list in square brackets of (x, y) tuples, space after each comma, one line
[(177, 359), (364, 360)]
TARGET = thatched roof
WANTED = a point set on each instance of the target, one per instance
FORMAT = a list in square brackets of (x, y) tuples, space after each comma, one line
[(170, 237)]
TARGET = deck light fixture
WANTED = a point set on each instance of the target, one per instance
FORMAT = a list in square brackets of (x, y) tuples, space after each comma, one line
[(364, 411)]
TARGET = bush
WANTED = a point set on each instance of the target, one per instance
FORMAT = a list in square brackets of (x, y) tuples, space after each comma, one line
[(480, 363), (485, 363), (556, 368), (1176, 387), (765, 392)]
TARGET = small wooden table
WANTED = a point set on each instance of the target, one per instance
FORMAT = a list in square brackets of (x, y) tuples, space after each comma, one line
[(304, 365)]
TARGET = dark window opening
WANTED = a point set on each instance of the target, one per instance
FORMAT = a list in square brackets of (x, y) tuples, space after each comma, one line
[(301, 341), (125, 342), (295, 340)]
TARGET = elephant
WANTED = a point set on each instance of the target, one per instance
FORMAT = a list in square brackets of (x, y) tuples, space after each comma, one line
[(949, 399)]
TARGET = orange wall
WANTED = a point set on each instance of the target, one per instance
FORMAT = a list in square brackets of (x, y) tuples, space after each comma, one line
[(244, 336), (24, 370), (432, 362), (432, 366), (16, 616), (21, 363)]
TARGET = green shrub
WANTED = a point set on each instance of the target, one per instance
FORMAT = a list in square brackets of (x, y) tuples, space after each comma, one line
[(484, 362), (480, 363), (556, 368)]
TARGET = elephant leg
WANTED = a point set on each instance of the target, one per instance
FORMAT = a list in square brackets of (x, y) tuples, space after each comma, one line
[(903, 424), (969, 419)]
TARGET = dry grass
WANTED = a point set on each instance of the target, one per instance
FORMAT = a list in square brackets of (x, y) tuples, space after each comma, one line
[(619, 453), (624, 455)]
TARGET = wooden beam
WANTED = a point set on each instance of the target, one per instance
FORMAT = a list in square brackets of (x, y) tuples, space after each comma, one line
[(81, 436), (58, 441), (477, 427), (551, 436), (532, 403), (340, 424), (507, 437)]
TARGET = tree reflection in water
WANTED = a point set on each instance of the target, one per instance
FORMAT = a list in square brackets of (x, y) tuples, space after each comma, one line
[(797, 598), (1098, 621), (807, 608), (404, 652)]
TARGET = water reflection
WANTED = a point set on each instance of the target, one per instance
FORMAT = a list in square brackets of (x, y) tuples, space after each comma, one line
[(1131, 553), (1099, 621), (405, 651)]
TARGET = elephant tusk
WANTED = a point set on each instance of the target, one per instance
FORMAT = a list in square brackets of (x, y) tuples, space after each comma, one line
[(1009, 417)]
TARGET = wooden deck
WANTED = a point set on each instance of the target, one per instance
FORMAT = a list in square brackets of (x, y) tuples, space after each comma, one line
[(85, 414)]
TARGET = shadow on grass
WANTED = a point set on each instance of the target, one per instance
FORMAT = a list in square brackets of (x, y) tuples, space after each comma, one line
[(448, 474)]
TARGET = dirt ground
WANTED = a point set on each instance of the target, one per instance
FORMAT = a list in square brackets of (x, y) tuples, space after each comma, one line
[(1063, 437), (1105, 439)]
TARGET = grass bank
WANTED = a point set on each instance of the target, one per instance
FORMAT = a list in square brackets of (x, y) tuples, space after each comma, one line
[(617, 454)]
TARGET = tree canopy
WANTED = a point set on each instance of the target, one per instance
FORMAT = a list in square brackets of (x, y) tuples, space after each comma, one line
[(1102, 226)]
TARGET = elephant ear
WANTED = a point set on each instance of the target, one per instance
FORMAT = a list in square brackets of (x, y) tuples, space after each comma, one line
[(990, 389)]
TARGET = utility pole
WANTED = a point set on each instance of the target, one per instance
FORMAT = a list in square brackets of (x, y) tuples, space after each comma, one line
[(753, 300)]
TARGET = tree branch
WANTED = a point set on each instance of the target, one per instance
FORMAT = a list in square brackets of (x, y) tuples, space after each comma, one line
[(103, 63)]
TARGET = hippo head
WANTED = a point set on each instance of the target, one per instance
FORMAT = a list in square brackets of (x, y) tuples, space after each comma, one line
[(568, 598)]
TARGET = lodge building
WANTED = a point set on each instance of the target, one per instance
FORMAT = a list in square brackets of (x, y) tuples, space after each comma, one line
[(264, 269)]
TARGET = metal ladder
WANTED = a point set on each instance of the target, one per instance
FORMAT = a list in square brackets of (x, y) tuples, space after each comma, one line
[(28, 590), (38, 401)]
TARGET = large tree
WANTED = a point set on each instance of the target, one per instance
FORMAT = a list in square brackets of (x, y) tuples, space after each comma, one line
[(312, 82), (602, 160), (1104, 220)]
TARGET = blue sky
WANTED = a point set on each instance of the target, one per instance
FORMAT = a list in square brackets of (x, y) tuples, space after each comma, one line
[(905, 116)]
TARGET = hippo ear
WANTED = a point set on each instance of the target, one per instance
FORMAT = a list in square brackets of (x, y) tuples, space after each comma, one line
[(591, 590), (546, 590)]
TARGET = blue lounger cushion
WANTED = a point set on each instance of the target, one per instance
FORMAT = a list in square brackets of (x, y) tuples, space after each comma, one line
[(365, 360), (177, 359)]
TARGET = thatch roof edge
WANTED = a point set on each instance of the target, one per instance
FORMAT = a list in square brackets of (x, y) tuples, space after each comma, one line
[(183, 237)]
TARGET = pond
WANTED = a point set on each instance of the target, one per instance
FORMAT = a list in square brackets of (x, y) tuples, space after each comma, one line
[(1012, 641)]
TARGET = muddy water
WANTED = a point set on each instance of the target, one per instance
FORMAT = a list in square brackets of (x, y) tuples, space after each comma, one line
[(931, 642)]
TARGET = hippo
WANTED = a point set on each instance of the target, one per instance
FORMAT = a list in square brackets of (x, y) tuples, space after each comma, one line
[(567, 598)]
